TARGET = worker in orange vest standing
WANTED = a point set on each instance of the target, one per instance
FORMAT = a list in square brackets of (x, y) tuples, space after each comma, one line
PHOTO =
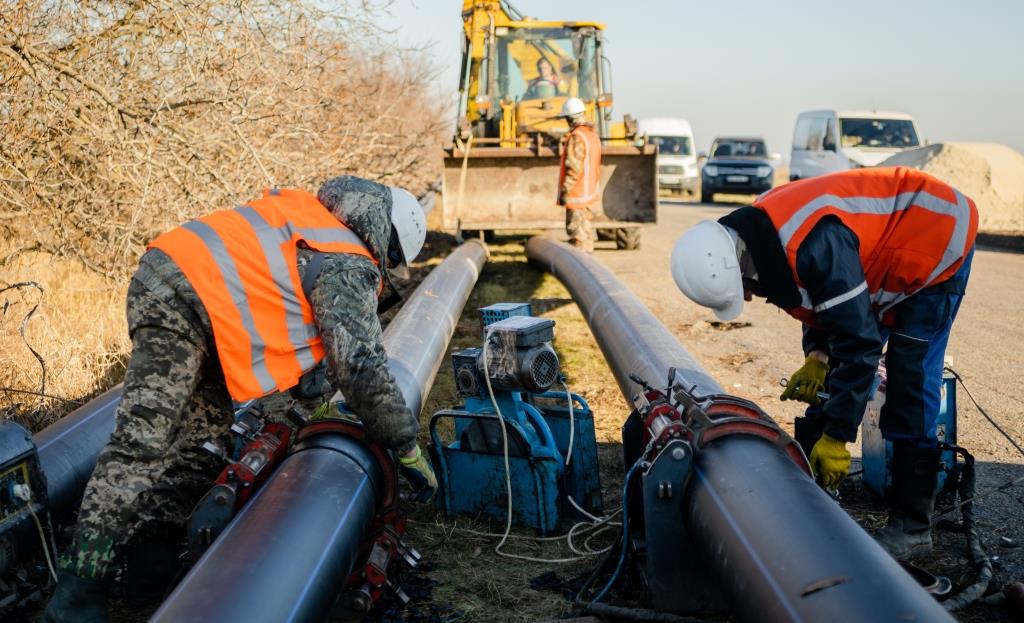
[(233, 306), (579, 177), (863, 258)]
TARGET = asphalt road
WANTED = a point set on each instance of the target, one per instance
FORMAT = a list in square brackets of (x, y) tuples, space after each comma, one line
[(751, 355)]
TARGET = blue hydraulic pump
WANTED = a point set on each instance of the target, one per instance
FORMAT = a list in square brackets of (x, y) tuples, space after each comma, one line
[(551, 442)]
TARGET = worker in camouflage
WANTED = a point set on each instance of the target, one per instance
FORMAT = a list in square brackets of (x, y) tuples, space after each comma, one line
[(579, 175), (154, 470)]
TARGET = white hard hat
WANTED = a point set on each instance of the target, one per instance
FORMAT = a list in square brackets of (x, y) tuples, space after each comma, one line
[(706, 269), (410, 227), (573, 107)]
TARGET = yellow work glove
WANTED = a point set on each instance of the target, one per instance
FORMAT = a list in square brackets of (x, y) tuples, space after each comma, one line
[(332, 411), (417, 472), (830, 461), (806, 382), (324, 411)]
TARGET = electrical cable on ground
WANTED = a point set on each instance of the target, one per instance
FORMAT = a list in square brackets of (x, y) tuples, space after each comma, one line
[(973, 497), (24, 338), (625, 534), (597, 522), (988, 417)]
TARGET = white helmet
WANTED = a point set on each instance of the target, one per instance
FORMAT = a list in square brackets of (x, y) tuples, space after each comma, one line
[(573, 108), (410, 227), (706, 269)]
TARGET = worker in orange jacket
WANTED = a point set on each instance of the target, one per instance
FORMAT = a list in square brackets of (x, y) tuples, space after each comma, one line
[(862, 258), (238, 305), (579, 178)]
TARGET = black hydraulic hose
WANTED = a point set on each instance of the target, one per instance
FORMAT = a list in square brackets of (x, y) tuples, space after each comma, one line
[(69, 447), (965, 488), (286, 556), (639, 615), (779, 546)]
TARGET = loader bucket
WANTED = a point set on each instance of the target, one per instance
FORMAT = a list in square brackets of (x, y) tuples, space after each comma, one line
[(501, 188)]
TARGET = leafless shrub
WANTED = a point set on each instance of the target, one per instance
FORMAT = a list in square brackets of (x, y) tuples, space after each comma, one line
[(123, 118)]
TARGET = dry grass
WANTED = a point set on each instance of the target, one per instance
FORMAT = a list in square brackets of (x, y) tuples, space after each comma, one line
[(78, 329)]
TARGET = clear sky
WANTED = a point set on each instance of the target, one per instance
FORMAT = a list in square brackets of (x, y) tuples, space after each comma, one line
[(749, 66)]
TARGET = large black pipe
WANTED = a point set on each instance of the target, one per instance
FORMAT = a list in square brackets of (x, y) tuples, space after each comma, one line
[(287, 554), (778, 545), (69, 447)]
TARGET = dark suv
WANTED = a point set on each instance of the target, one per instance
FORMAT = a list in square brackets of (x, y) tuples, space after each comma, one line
[(737, 165)]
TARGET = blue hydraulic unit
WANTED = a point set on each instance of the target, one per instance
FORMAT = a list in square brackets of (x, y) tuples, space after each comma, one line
[(877, 452), (552, 448)]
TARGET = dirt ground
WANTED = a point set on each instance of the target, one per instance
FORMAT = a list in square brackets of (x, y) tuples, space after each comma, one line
[(748, 358)]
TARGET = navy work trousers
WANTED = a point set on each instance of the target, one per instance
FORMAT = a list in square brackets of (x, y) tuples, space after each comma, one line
[(914, 359)]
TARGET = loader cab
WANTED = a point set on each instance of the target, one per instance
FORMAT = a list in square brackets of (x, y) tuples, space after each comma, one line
[(528, 73)]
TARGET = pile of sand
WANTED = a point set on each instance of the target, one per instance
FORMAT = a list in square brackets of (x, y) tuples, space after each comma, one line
[(990, 174)]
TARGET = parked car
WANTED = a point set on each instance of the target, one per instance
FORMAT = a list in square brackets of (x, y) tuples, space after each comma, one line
[(826, 141), (677, 162), (740, 165)]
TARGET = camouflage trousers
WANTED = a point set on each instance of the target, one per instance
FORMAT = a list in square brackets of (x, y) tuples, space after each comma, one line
[(153, 471), (579, 227)]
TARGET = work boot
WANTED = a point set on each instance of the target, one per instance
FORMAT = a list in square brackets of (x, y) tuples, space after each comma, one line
[(77, 600), (150, 569), (915, 475)]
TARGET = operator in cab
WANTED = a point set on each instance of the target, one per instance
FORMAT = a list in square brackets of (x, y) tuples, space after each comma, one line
[(238, 305), (867, 259)]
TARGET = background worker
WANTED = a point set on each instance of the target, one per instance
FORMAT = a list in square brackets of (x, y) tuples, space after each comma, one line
[(237, 305), (860, 257), (579, 177)]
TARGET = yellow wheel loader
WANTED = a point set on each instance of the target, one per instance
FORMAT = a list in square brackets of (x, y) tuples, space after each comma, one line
[(501, 170)]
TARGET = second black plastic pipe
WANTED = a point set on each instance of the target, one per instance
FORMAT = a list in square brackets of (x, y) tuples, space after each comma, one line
[(780, 547)]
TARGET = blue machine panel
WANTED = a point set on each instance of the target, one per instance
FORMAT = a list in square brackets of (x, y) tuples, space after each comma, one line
[(500, 311), (582, 478), (877, 452)]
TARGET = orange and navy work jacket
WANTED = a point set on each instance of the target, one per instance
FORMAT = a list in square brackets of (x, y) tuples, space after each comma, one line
[(580, 168), (914, 230), (243, 264)]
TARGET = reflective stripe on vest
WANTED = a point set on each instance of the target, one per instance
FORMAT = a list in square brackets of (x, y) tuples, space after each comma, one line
[(913, 229), (243, 264), (588, 186)]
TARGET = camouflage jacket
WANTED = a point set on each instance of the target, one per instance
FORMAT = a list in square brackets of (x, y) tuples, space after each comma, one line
[(344, 302)]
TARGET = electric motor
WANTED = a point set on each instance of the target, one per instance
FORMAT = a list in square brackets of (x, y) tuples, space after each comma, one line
[(519, 358)]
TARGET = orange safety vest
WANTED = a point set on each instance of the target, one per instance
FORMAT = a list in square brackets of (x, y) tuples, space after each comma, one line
[(914, 230), (586, 191), (243, 264)]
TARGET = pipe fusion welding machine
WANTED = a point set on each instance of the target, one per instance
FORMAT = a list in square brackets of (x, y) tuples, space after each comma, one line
[(23, 513), (509, 408)]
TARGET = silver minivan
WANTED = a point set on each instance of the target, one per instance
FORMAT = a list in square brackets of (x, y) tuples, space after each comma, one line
[(826, 141)]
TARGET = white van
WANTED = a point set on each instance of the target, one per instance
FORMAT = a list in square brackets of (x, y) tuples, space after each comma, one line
[(826, 141), (677, 161)]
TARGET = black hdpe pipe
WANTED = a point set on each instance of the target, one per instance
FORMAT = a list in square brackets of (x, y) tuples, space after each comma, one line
[(69, 447), (286, 556), (780, 548)]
